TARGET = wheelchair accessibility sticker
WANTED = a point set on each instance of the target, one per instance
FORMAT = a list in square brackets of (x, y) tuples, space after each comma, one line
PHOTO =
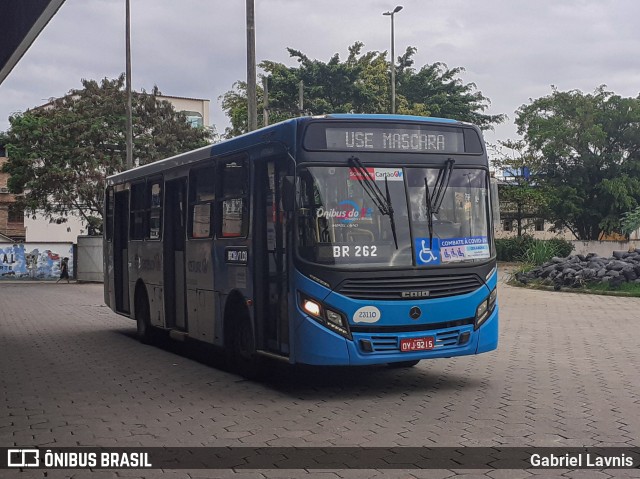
[(426, 255), (450, 250)]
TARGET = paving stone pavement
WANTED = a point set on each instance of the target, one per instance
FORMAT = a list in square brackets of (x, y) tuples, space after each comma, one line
[(72, 374)]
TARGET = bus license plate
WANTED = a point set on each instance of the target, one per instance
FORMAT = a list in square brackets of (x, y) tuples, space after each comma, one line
[(417, 344)]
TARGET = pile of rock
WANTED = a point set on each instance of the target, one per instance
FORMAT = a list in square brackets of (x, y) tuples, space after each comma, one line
[(578, 270)]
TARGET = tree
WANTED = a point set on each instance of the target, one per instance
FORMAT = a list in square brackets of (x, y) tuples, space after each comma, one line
[(589, 146), (360, 84), (61, 153), (630, 221), (521, 197), (436, 90)]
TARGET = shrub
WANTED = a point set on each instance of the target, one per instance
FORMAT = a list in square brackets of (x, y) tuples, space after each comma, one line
[(563, 247), (538, 252), (512, 249), (526, 248)]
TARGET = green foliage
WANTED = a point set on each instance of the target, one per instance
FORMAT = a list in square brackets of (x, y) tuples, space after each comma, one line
[(529, 250), (589, 151), (538, 252), (627, 289), (562, 247), (360, 84), (630, 221), (520, 196), (512, 249), (60, 155)]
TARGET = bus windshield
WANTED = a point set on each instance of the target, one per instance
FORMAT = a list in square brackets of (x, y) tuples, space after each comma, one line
[(393, 216)]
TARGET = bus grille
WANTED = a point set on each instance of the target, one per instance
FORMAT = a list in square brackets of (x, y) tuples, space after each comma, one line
[(391, 344), (393, 288)]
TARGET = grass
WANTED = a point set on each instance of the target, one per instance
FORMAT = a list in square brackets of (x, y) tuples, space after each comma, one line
[(539, 252), (627, 289)]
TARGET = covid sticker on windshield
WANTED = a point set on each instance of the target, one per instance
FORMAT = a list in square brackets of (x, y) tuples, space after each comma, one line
[(460, 249)]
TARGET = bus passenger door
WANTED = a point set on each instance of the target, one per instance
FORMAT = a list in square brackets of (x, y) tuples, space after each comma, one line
[(121, 252), (271, 278), (175, 222)]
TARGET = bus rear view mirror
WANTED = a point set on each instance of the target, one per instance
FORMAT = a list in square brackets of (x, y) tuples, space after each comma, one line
[(288, 193)]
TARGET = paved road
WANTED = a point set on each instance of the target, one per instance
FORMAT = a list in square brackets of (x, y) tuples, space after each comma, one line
[(72, 374)]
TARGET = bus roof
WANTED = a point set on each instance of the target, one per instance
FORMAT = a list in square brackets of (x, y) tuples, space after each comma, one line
[(388, 117), (283, 133)]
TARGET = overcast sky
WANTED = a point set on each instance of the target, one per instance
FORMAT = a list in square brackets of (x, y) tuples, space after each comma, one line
[(512, 50)]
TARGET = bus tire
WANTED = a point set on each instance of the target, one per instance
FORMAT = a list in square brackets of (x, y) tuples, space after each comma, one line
[(245, 360), (404, 364), (144, 330)]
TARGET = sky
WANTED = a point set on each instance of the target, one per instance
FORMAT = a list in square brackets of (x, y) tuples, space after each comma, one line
[(513, 50)]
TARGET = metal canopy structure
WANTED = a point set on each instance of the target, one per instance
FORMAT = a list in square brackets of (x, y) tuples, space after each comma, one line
[(22, 22)]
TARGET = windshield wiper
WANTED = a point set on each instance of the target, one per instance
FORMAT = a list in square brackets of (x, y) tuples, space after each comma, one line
[(441, 185), (433, 202), (390, 209), (429, 212), (382, 202)]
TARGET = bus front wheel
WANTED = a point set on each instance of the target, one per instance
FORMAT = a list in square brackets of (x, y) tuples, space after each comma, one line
[(244, 358), (144, 330)]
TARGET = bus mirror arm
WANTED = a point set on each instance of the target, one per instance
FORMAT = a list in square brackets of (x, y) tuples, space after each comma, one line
[(288, 193)]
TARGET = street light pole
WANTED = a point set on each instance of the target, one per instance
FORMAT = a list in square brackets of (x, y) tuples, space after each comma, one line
[(251, 68), (393, 59), (129, 125)]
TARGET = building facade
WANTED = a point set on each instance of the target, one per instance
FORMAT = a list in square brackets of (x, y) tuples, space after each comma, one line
[(11, 218)]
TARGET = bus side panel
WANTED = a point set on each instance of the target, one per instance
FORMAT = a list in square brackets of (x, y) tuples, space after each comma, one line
[(107, 268), (231, 275), (145, 265), (201, 305)]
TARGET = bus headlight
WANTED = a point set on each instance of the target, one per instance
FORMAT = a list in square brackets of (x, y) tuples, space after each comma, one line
[(493, 296), (485, 308), (329, 318), (311, 307)]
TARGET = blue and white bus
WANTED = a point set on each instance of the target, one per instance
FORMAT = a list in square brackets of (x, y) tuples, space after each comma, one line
[(329, 240)]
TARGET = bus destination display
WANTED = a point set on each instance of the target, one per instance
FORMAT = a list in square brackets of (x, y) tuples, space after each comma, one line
[(395, 139)]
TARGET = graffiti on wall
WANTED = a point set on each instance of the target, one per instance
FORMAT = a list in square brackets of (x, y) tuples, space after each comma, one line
[(34, 260)]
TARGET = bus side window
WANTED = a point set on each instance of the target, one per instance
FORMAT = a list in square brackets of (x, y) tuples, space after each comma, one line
[(108, 226), (155, 209), (202, 195), (138, 211), (233, 196)]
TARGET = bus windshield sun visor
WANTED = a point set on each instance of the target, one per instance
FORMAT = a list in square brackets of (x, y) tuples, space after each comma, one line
[(382, 202)]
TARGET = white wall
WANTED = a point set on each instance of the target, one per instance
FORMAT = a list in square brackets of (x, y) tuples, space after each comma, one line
[(89, 256), (603, 248), (40, 230)]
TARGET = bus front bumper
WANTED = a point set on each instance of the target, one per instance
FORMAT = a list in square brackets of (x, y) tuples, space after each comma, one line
[(316, 345)]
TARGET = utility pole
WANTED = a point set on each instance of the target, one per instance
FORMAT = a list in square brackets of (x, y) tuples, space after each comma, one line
[(129, 126), (251, 67), (393, 59), (301, 97)]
